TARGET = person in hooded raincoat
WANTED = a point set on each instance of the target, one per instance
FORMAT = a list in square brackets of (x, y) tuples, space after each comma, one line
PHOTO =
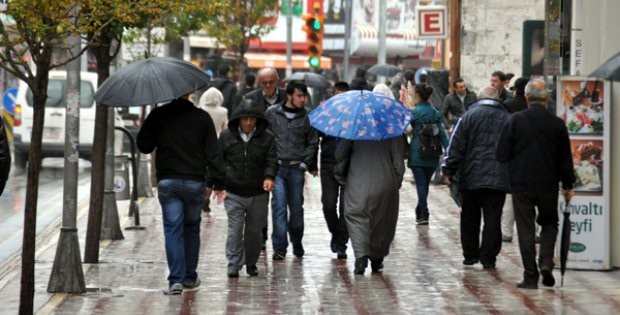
[(248, 150), (371, 205)]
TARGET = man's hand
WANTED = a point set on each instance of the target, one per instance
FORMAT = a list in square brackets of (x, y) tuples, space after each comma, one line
[(219, 196), (268, 185), (568, 195)]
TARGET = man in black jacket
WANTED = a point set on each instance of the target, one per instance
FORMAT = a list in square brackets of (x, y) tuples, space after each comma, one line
[(482, 179), (248, 152), (185, 141), (268, 92), (455, 103), (535, 144), (331, 190), (5, 156)]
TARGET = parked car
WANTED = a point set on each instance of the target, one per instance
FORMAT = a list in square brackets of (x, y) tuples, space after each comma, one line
[(53, 142)]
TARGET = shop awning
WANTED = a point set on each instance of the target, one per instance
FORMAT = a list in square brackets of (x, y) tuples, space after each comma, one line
[(278, 61)]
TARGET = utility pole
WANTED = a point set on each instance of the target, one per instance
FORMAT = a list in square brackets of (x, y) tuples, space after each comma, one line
[(455, 39), (381, 54), (347, 39), (289, 38), (67, 274)]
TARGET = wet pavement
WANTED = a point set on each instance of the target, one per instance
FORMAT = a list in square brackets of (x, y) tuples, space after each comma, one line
[(423, 273)]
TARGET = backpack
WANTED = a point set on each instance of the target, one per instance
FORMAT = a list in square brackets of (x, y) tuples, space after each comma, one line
[(430, 141)]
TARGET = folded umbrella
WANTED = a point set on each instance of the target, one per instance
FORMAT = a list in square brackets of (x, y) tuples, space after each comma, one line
[(386, 70), (564, 241), (310, 79)]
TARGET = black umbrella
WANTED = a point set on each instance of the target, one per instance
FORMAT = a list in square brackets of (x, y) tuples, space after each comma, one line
[(609, 70), (564, 241), (386, 70), (310, 79), (151, 81)]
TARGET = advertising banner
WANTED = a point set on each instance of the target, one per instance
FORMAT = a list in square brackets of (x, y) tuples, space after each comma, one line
[(583, 103)]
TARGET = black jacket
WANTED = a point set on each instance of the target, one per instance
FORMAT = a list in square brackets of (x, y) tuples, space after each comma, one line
[(186, 142), (229, 91), (452, 104), (248, 164), (259, 99), (471, 152), (5, 157), (517, 103), (535, 144)]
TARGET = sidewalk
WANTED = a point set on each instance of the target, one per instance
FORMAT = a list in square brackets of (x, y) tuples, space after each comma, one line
[(423, 274)]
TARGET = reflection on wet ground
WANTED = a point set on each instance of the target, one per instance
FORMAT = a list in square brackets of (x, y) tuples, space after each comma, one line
[(423, 274)]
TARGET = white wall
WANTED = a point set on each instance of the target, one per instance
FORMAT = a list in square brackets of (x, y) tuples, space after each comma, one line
[(491, 37)]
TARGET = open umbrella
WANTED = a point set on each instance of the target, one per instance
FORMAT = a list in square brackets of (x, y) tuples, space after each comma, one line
[(151, 81), (564, 241), (608, 70), (386, 70), (310, 79), (361, 115)]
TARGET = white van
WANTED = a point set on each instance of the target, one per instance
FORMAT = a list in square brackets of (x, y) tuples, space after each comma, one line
[(53, 144)]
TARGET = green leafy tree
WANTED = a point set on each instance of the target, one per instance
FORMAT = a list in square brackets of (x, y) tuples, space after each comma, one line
[(244, 20)]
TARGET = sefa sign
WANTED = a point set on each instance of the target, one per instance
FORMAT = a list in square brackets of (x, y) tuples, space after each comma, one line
[(432, 21)]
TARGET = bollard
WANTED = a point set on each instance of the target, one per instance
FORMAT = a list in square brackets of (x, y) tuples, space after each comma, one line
[(121, 177), (145, 189)]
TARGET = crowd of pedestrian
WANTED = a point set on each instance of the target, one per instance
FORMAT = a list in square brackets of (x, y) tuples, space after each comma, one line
[(503, 149)]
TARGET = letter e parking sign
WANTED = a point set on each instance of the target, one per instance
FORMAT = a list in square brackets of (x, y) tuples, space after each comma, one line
[(432, 21)]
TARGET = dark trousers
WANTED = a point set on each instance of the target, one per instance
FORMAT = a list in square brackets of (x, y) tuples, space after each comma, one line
[(478, 203), (525, 204), (333, 209), (422, 177)]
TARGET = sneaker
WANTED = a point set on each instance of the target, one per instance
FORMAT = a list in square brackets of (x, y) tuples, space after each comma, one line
[(191, 284), (278, 255), (174, 289), (252, 270), (506, 239), (547, 277), (423, 221), (470, 261), (233, 272), (298, 250)]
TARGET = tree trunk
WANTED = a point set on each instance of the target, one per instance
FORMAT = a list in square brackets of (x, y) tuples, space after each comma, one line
[(26, 297), (95, 211)]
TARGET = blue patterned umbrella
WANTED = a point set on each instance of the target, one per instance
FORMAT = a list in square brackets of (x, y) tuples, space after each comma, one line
[(361, 115)]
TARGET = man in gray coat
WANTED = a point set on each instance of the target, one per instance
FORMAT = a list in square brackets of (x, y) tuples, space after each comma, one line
[(483, 180), (297, 143)]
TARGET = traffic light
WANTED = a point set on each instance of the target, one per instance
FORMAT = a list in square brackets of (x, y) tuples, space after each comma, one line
[(314, 35)]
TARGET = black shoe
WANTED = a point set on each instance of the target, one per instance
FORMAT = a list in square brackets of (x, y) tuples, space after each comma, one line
[(252, 270), (488, 266), (470, 261), (376, 265), (547, 277), (264, 245), (341, 254), (360, 265), (525, 285), (423, 221), (333, 245), (278, 256), (298, 250), (506, 239), (233, 272)]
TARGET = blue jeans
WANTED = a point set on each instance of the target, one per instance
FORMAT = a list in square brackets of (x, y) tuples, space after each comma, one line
[(288, 191), (422, 176), (181, 206)]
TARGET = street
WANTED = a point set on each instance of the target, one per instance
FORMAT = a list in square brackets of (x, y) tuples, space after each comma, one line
[(50, 201)]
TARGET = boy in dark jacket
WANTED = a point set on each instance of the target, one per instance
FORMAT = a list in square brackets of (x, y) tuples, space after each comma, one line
[(248, 151)]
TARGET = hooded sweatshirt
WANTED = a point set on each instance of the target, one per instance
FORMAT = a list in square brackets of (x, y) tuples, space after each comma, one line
[(211, 102)]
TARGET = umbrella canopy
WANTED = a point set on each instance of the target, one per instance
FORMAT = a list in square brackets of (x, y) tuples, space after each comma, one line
[(361, 115), (609, 70), (564, 242), (151, 81), (310, 79), (386, 70)]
